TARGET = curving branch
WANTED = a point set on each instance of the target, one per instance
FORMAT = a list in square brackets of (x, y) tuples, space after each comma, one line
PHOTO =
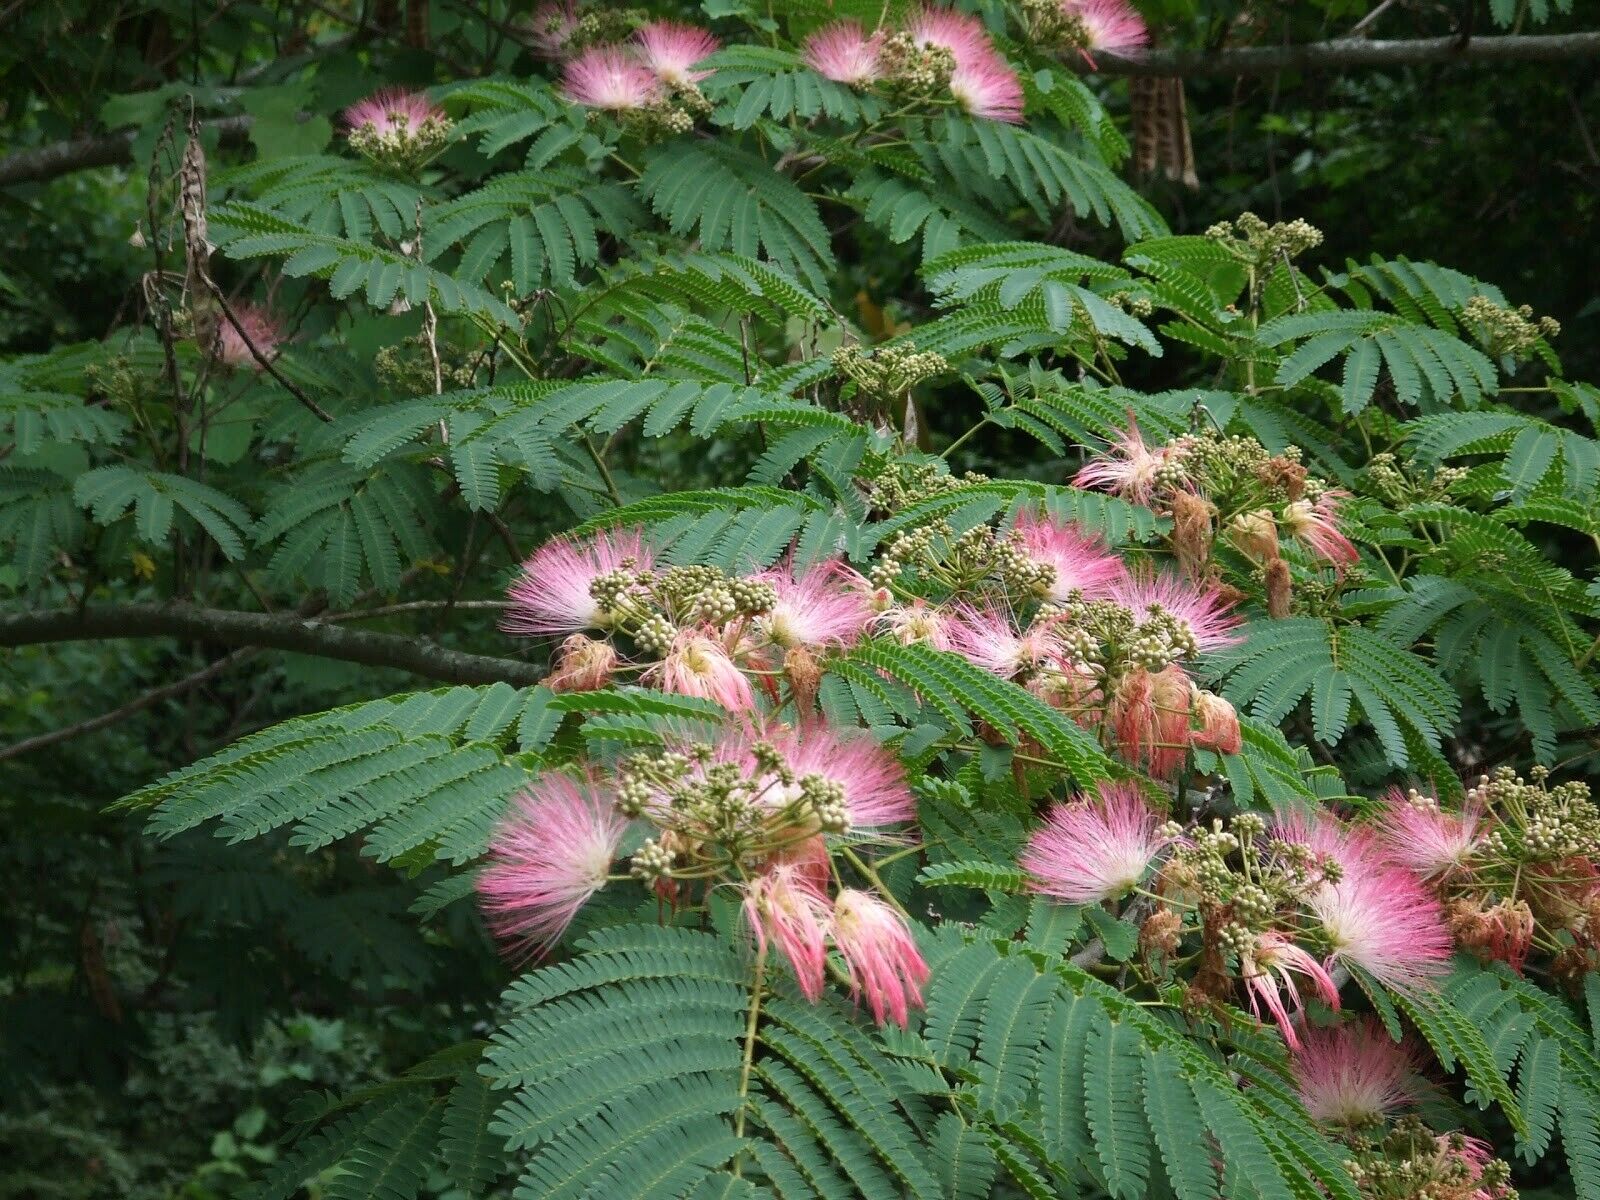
[(62, 158), (1344, 53), (275, 631)]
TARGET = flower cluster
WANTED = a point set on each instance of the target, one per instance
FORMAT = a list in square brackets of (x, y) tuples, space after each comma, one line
[(937, 55), (1508, 332), (1244, 907), (1086, 27), (256, 327), (396, 129), (1262, 243), (651, 79), (758, 811)]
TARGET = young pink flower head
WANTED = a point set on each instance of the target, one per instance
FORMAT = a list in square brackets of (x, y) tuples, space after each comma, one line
[(1095, 848), (1268, 974), (1080, 560), (549, 30), (880, 955), (986, 86), (785, 908), (1425, 839), (697, 665), (844, 53), (1201, 609), (1109, 26), (1354, 1074), (584, 665), (963, 36), (1129, 468), (609, 78), (987, 638), (1316, 525), (827, 604), (393, 110), (1150, 714), (552, 595), (551, 853), (1218, 724), (671, 50), (261, 329), (873, 780), (919, 621)]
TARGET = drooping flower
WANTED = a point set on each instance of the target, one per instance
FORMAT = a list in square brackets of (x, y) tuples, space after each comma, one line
[(671, 51), (583, 665), (1129, 468), (609, 78), (988, 638), (1316, 525), (918, 621), (1109, 26), (1080, 560), (697, 665), (1095, 848), (1218, 723), (879, 954), (1503, 930), (827, 604), (552, 853), (1268, 973), (260, 329), (845, 53), (1149, 715), (553, 593), (986, 86), (1419, 835), (785, 908), (874, 782), (1354, 1074), (1202, 610), (393, 111), (550, 28)]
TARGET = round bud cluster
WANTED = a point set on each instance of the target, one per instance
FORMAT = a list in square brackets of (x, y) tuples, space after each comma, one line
[(914, 70), (604, 27), (753, 596), (714, 606), (1236, 939), (1510, 332), (654, 635), (1254, 240), (1253, 906), (1537, 822), (634, 794), (651, 861), (827, 800), (888, 372), (901, 485), (612, 589), (1137, 306)]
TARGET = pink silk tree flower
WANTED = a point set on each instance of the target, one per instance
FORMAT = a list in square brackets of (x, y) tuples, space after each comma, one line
[(1109, 26), (610, 79), (1081, 561), (1200, 609), (550, 854), (552, 594), (259, 329), (393, 110), (786, 909), (1129, 468), (1268, 974), (986, 86), (1150, 715), (845, 53), (1432, 843), (1354, 1074), (880, 955), (987, 638), (917, 621), (873, 780), (698, 665), (1316, 526), (963, 36), (671, 50), (826, 604), (583, 665), (1095, 848), (550, 28), (1218, 723)]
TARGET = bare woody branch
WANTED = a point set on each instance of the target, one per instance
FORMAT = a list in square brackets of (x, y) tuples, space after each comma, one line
[(274, 631)]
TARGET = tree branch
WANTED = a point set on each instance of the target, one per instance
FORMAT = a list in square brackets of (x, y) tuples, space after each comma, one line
[(62, 158), (275, 631), (1351, 52)]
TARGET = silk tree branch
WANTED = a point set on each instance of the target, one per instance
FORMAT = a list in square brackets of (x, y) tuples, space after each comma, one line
[(273, 631)]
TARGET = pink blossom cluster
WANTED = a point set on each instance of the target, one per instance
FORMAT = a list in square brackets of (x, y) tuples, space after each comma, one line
[(258, 327), (657, 61), (980, 81)]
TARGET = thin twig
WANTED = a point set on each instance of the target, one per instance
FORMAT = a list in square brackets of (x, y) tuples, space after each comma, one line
[(316, 409)]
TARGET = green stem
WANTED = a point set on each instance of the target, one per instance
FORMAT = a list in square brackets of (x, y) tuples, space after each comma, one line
[(757, 984), (867, 869)]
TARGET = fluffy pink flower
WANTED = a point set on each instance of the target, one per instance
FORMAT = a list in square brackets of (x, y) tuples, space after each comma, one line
[(1316, 525), (919, 621), (393, 110), (1201, 609), (874, 782), (1080, 560), (584, 665), (1425, 839), (844, 53), (1354, 1074), (1128, 468), (986, 86), (697, 665), (1268, 974), (963, 36), (1218, 724), (550, 28), (1109, 26), (988, 639), (882, 959), (261, 329), (1094, 849), (551, 853), (609, 78), (784, 907), (552, 595), (671, 50), (827, 604), (1150, 718)]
